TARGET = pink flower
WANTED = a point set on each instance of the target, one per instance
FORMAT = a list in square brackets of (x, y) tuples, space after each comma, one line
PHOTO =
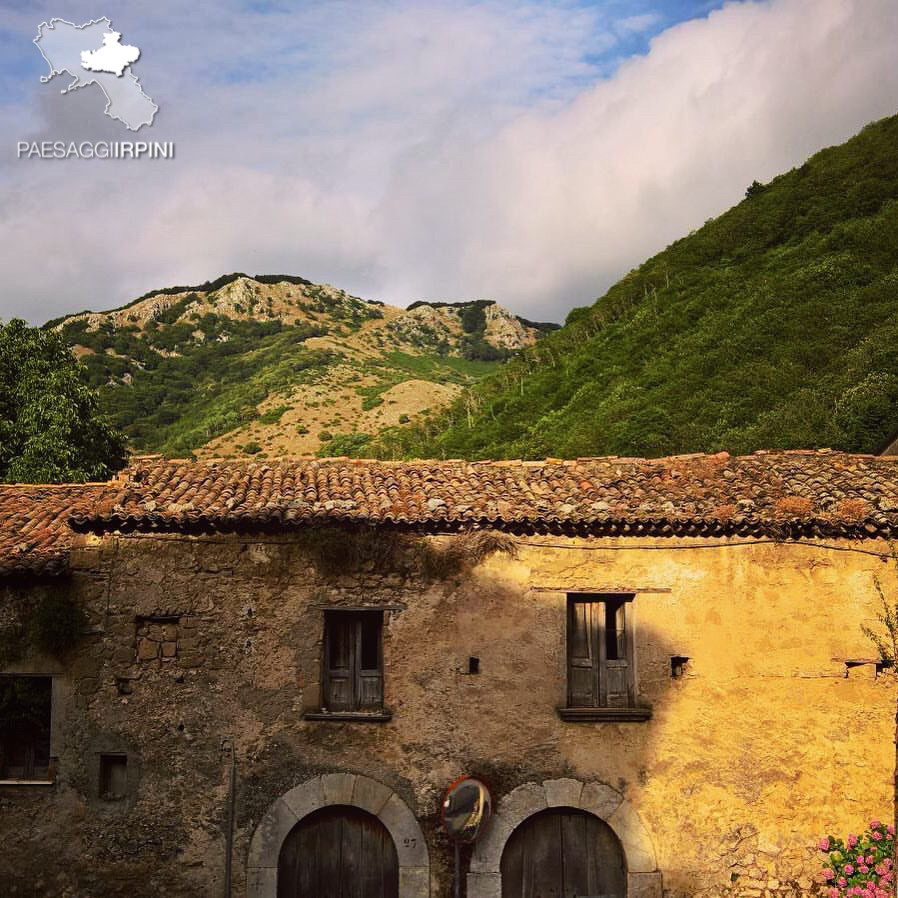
[(852, 841), (875, 824), (833, 893), (848, 869), (870, 858), (828, 874), (863, 868), (823, 844), (842, 881), (891, 829), (877, 836)]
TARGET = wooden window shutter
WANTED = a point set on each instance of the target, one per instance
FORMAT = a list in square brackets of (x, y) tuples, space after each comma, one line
[(353, 654), (600, 652), (615, 690), (370, 661), (582, 660), (339, 654)]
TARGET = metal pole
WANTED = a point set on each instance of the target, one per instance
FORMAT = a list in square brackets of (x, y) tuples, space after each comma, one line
[(229, 835), (457, 882)]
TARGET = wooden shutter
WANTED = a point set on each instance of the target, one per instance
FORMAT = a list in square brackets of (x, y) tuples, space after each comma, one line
[(600, 650), (582, 660), (614, 663), (340, 661), (370, 661), (353, 660)]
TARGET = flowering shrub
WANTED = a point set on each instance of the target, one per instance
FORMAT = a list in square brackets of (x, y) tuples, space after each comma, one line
[(861, 865)]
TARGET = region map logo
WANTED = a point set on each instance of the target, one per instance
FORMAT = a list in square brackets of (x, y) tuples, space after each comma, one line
[(93, 54)]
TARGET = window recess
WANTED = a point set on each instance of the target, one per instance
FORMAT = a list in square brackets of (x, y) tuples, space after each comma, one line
[(353, 678), (601, 682), (25, 709), (113, 784)]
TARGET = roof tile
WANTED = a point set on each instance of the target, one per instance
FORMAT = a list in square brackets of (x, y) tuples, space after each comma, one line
[(793, 493), (35, 537), (806, 489)]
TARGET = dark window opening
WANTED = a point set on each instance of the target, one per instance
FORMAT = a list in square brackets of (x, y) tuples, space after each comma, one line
[(600, 648), (113, 777), (370, 640), (615, 644), (353, 675), (473, 665), (678, 666), (25, 704)]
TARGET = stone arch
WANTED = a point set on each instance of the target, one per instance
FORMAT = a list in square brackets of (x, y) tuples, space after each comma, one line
[(643, 876), (345, 789)]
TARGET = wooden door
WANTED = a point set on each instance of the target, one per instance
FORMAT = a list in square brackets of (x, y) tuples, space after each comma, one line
[(338, 852), (563, 853)]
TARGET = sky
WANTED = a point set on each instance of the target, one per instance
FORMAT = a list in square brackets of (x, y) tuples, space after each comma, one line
[(527, 152)]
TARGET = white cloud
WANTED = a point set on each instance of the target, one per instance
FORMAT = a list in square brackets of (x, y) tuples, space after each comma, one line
[(440, 150)]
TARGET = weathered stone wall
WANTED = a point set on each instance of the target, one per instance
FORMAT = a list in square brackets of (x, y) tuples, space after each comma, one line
[(763, 745)]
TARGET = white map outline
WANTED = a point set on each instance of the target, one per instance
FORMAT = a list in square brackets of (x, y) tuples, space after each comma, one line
[(78, 82)]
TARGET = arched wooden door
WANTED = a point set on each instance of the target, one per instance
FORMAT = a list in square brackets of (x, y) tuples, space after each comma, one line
[(338, 852), (563, 853)]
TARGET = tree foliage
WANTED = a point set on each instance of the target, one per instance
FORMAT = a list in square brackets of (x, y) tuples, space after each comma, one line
[(50, 428)]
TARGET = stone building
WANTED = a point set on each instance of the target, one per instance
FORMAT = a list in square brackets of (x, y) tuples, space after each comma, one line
[(258, 679)]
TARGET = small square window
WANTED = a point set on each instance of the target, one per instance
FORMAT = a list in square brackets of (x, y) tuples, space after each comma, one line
[(113, 777)]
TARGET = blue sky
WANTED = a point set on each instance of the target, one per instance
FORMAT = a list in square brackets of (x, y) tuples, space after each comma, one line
[(529, 152)]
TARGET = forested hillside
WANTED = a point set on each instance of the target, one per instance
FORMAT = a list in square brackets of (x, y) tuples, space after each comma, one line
[(773, 326)]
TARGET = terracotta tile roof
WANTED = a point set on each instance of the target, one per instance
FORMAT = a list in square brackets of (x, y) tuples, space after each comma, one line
[(782, 494), (35, 536)]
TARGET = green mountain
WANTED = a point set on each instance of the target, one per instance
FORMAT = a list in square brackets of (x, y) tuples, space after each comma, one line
[(773, 326), (277, 365)]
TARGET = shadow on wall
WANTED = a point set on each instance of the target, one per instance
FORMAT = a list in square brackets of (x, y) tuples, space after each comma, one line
[(546, 758), (476, 672), (476, 668)]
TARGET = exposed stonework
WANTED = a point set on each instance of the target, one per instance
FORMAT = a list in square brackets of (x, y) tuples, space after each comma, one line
[(762, 746), (338, 789), (532, 798)]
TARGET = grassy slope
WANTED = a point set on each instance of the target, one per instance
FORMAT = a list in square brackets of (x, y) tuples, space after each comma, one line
[(205, 381), (773, 326)]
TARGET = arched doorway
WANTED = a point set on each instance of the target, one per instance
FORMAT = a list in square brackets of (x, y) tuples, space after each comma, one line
[(343, 790), (563, 852), (338, 852)]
